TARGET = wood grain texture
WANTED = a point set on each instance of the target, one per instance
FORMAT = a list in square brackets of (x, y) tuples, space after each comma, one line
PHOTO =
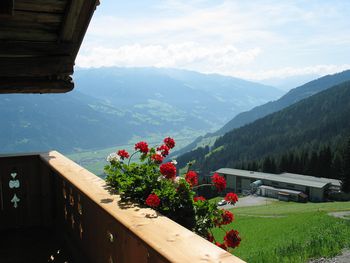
[(35, 66), (71, 19), (34, 85), (29, 48), (48, 6), (147, 235)]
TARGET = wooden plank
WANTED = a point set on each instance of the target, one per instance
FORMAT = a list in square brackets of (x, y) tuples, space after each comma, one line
[(18, 25), (36, 66), (49, 6), (158, 236), (35, 17), (26, 48), (82, 24), (6, 7), (28, 85), (71, 19), (11, 34)]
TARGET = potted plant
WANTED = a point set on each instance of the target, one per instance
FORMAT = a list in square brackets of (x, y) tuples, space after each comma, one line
[(155, 183)]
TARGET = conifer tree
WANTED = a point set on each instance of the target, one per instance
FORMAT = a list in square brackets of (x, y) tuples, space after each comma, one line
[(346, 169)]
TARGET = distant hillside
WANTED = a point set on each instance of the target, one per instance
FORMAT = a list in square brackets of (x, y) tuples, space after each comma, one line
[(60, 121), (114, 106), (322, 118), (176, 97), (291, 97), (258, 112)]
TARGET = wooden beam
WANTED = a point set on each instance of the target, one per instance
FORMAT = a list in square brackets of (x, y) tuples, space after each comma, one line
[(6, 7), (48, 6), (35, 85), (28, 48), (71, 19), (36, 66), (88, 10)]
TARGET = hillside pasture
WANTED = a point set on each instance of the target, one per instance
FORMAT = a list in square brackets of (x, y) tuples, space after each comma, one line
[(290, 232)]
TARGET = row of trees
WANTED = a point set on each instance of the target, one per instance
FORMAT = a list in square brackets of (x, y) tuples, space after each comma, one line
[(326, 161)]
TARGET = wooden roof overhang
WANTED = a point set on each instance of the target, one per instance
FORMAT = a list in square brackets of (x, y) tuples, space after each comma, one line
[(39, 41)]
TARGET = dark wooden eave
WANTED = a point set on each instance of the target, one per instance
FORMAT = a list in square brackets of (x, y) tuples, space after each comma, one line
[(39, 42)]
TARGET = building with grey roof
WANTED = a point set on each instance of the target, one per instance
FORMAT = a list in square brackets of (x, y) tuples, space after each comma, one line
[(284, 186)]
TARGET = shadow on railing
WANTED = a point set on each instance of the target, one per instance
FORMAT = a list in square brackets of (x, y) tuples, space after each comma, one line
[(50, 195)]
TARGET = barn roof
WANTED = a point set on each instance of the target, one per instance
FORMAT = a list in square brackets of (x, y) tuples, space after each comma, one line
[(289, 178), (39, 41)]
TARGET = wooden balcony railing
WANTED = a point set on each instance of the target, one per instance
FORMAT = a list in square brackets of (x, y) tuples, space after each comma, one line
[(48, 191)]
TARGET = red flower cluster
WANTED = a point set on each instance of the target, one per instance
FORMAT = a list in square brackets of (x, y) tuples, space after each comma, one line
[(168, 170), (210, 237), (227, 217), (223, 246), (157, 158), (164, 149), (153, 200), (192, 178), (199, 198), (142, 147), (232, 239), (123, 154), (169, 142), (219, 182), (231, 197)]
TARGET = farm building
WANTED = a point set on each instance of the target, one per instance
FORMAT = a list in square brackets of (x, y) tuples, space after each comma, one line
[(285, 186)]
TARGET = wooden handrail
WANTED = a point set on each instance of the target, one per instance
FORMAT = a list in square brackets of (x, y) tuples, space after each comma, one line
[(157, 237)]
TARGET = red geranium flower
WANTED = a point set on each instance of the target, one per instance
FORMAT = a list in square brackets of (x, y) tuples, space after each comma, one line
[(169, 142), (231, 197), (192, 178), (164, 149), (168, 170), (210, 237), (199, 198), (227, 217), (153, 200), (232, 239), (157, 158), (123, 154), (223, 246), (219, 182), (142, 146)]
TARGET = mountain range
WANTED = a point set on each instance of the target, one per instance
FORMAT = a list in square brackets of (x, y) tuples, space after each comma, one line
[(291, 97), (117, 106), (320, 119)]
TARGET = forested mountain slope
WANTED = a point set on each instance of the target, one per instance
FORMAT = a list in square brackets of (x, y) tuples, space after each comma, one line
[(288, 99), (322, 118)]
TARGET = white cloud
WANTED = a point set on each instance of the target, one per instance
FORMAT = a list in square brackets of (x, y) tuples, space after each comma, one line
[(183, 55), (250, 39), (290, 72)]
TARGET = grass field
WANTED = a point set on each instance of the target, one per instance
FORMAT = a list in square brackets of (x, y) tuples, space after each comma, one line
[(290, 232)]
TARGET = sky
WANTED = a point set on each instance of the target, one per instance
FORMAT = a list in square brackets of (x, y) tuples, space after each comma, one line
[(257, 40)]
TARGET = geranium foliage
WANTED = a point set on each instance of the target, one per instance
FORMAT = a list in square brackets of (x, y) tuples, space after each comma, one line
[(155, 184)]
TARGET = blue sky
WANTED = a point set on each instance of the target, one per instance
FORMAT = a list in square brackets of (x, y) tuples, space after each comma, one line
[(256, 40)]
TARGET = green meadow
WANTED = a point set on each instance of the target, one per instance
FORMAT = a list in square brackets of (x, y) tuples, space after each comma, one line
[(289, 232)]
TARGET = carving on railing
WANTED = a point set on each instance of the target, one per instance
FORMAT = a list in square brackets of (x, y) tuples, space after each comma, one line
[(65, 212), (14, 184), (72, 220), (71, 197), (15, 200), (110, 237), (79, 206), (64, 193), (81, 231)]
